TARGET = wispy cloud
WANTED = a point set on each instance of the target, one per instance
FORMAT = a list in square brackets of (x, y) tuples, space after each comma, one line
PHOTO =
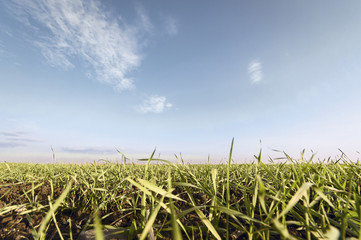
[(73, 29), (21, 139), (89, 150), (12, 134), (14, 139), (144, 19), (1, 48), (11, 144), (171, 26), (154, 104), (255, 71)]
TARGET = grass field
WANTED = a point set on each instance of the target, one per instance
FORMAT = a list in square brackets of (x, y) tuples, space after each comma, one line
[(295, 199)]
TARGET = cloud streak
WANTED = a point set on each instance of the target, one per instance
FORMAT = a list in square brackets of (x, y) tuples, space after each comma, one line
[(154, 104), (11, 144), (171, 26), (1, 48), (14, 139), (88, 150), (13, 134), (82, 29), (255, 71)]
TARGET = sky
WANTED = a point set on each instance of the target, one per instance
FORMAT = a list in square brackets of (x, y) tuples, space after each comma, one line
[(84, 79)]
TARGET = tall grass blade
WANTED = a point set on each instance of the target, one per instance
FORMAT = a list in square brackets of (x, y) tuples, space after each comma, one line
[(48, 216), (228, 199), (157, 189), (98, 227), (176, 233), (151, 220), (298, 195)]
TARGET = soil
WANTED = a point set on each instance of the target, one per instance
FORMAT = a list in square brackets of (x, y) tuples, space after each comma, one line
[(17, 224)]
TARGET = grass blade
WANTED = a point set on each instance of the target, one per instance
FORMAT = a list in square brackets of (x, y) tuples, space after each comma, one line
[(48, 216), (298, 195)]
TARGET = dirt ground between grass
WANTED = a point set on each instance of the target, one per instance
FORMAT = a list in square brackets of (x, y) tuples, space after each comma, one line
[(19, 223)]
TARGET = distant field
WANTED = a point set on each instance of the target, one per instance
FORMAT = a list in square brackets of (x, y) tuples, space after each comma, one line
[(296, 199)]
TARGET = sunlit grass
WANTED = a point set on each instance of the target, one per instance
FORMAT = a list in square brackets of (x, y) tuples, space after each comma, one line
[(294, 199)]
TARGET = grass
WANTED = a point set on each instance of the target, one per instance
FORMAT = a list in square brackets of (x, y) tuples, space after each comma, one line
[(293, 199)]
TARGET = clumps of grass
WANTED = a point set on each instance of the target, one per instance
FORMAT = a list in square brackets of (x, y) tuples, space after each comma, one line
[(293, 199)]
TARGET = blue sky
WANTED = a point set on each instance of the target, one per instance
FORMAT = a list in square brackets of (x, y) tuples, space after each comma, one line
[(90, 77)]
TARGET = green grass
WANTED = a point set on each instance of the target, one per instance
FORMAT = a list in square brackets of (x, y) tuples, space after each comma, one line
[(297, 199)]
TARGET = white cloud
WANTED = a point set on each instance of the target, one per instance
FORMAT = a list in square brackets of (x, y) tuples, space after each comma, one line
[(171, 26), (255, 71), (82, 29), (154, 104)]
